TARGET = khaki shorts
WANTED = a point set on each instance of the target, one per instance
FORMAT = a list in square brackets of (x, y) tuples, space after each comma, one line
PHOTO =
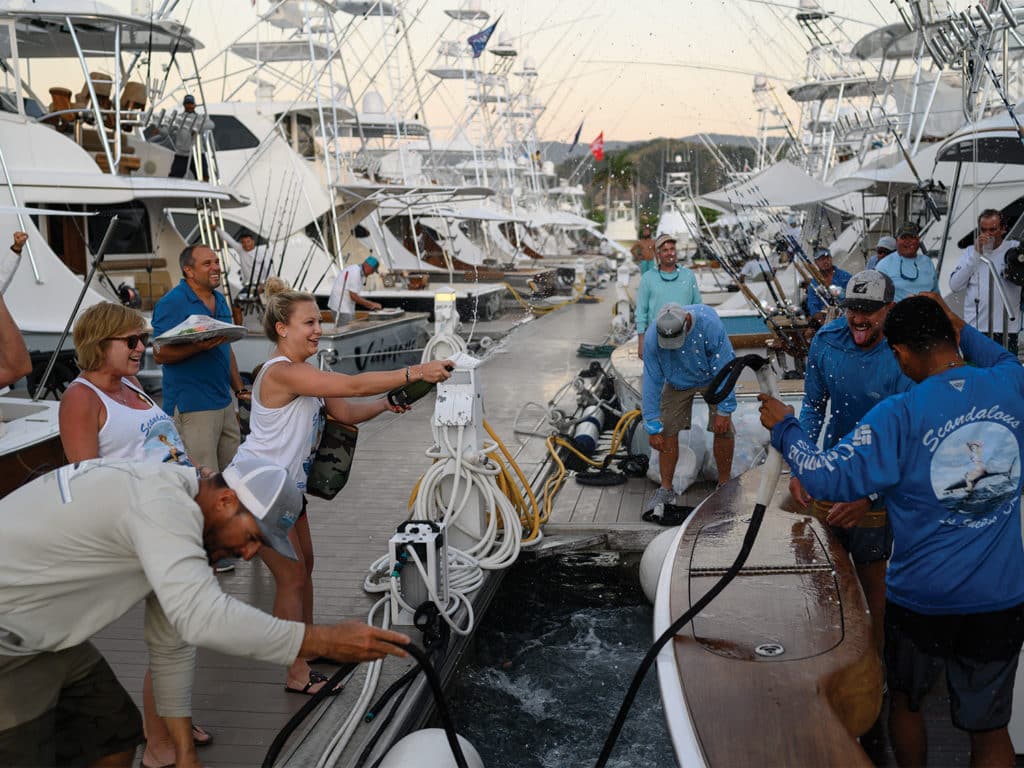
[(210, 437), (677, 410)]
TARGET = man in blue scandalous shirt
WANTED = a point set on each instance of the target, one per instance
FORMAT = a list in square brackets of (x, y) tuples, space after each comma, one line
[(946, 455), (850, 369), (199, 378), (684, 350)]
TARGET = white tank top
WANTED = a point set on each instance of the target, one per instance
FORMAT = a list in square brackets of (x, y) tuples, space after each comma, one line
[(128, 433), (287, 436)]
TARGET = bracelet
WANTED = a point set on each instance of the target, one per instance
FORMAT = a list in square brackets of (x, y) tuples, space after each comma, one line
[(407, 374), (421, 372), (240, 391)]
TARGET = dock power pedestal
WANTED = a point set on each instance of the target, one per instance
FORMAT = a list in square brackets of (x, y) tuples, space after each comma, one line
[(427, 539)]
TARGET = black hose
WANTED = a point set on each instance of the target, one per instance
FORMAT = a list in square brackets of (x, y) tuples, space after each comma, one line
[(725, 379), (435, 686), (678, 624), (718, 390), (282, 736)]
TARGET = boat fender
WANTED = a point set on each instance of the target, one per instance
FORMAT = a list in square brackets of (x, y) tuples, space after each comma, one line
[(653, 560), (428, 749)]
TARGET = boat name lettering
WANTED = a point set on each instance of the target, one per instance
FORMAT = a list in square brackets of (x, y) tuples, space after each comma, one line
[(933, 437), (390, 353)]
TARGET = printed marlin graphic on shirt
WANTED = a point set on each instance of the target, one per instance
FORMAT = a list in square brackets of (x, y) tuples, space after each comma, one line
[(975, 471), (162, 442)]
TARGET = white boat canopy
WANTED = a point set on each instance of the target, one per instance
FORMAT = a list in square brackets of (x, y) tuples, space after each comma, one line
[(782, 185), (42, 32), (283, 50)]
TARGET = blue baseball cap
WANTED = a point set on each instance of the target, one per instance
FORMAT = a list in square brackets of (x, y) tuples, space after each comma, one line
[(372, 262)]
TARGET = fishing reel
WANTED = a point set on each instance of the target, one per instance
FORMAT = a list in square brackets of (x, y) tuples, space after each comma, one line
[(1013, 271)]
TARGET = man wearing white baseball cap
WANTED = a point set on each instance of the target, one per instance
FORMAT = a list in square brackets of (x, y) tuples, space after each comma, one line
[(83, 544)]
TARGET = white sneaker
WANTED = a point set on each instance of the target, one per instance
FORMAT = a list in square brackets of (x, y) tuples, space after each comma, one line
[(662, 496)]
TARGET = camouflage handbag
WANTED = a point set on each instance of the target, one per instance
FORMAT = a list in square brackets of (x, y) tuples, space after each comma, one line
[(333, 459)]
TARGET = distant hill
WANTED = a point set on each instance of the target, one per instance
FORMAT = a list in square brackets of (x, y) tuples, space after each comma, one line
[(558, 151), (637, 169)]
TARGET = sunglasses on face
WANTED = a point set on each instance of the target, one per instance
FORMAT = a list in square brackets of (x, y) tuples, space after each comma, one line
[(131, 340)]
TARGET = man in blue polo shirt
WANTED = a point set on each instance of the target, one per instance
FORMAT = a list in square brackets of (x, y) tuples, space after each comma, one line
[(198, 378)]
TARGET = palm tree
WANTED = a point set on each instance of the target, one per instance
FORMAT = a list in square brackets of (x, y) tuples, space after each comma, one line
[(618, 171)]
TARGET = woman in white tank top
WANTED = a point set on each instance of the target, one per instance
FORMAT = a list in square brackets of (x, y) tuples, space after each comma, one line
[(106, 414), (288, 401)]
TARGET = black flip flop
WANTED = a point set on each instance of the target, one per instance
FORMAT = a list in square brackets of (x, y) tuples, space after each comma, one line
[(672, 514)]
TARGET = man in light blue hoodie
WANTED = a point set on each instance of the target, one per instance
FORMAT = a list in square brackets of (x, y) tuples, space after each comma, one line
[(668, 283), (684, 350), (946, 455), (851, 366)]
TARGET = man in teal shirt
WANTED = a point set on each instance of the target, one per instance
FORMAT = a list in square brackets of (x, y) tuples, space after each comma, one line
[(911, 271), (658, 287)]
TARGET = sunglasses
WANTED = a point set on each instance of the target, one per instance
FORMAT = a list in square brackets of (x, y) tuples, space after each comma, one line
[(131, 340)]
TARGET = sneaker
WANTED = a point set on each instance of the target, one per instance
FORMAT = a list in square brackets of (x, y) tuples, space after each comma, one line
[(223, 566), (662, 496)]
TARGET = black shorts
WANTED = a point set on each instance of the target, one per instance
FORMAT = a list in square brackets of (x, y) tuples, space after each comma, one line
[(979, 651), (67, 709)]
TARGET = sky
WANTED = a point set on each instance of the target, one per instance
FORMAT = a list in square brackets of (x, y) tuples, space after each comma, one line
[(632, 70)]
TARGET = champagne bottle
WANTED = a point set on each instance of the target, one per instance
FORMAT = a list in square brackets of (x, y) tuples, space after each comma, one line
[(406, 395)]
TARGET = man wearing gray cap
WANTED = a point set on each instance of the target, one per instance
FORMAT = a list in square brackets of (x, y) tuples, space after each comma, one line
[(983, 306), (684, 350), (85, 543), (883, 248), (851, 366), (668, 283)]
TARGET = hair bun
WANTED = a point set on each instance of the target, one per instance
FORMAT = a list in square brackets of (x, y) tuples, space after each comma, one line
[(275, 285)]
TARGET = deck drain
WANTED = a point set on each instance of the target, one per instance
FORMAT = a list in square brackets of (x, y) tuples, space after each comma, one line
[(769, 649)]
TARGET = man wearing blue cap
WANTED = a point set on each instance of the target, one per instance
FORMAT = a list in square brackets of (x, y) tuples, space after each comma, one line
[(72, 562), (345, 292)]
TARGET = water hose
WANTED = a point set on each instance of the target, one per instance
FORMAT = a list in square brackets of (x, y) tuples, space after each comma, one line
[(719, 389), (435, 688)]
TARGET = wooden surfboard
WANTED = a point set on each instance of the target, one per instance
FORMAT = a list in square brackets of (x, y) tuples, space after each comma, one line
[(780, 668)]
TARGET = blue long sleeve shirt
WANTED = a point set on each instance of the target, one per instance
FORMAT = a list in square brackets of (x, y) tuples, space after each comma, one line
[(815, 303), (946, 454), (852, 379), (658, 289), (706, 350)]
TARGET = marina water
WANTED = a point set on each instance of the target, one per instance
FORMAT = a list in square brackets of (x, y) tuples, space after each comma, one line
[(551, 663)]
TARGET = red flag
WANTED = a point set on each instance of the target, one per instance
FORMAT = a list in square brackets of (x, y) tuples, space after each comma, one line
[(597, 147)]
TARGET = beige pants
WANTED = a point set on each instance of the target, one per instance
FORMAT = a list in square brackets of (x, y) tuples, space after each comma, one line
[(211, 437)]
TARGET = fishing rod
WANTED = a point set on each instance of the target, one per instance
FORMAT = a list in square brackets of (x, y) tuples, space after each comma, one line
[(97, 260)]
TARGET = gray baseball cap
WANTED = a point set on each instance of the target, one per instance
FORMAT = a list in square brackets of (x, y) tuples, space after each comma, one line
[(270, 495), (888, 243), (672, 326), (869, 291)]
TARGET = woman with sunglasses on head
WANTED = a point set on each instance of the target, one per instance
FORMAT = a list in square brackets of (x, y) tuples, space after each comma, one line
[(105, 413)]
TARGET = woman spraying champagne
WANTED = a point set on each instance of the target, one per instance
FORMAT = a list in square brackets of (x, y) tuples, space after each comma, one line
[(289, 397)]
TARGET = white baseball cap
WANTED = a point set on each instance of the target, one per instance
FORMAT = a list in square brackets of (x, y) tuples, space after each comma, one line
[(270, 495)]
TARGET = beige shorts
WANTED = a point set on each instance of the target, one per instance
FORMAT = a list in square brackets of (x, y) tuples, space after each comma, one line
[(677, 410)]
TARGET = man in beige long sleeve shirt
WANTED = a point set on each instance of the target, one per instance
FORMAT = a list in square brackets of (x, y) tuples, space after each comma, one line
[(85, 543)]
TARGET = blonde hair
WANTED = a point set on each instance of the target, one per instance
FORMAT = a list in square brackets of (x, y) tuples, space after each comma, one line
[(280, 300), (95, 327)]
